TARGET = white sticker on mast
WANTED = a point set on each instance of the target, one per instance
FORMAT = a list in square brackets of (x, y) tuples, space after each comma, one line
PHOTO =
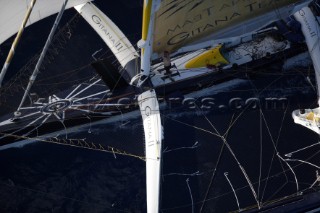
[(149, 108), (109, 32)]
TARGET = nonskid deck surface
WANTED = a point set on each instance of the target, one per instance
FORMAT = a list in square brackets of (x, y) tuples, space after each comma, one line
[(237, 55)]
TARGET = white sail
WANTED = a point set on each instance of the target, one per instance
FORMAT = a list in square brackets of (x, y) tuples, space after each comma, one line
[(12, 13), (182, 22), (310, 28), (149, 108), (109, 32)]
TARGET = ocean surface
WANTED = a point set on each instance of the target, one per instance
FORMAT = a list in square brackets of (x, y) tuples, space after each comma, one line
[(220, 148)]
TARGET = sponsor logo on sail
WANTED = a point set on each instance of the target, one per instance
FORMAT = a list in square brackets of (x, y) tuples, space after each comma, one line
[(307, 24), (206, 16), (117, 44)]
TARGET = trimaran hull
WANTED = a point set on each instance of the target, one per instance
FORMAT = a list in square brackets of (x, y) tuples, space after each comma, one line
[(51, 117), (13, 131)]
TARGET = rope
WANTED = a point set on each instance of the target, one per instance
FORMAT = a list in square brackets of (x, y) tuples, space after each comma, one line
[(78, 143)]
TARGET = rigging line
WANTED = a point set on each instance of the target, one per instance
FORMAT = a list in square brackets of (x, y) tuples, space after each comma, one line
[(294, 174), (235, 120), (16, 78), (215, 129), (276, 192), (18, 130), (306, 184), (266, 123), (302, 161), (265, 88), (269, 132), (104, 95), (234, 156), (35, 107), (238, 162), (229, 127), (93, 104), (89, 96), (213, 176), (60, 196), (63, 82), (274, 153), (234, 192), (31, 114), (316, 181), (271, 138), (73, 91), (84, 145), (298, 150), (69, 72), (36, 127), (87, 87), (261, 153), (43, 53), (243, 171), (89, 130), (271, 83), (195, 145), (197, 173), (189, 125), (240, 188), (61, 119), (187, 181)]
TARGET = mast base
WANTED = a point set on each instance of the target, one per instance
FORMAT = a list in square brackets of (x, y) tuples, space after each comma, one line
[(16, 116)]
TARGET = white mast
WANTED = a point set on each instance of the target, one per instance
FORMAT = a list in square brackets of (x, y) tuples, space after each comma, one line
[(149, 108), (43, 53), (149, 9), (15, 42)]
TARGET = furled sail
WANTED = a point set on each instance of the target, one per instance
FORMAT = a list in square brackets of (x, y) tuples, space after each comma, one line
[(13, 12), (182, 22)]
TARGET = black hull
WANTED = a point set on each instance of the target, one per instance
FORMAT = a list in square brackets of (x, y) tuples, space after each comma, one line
[(127, 96)]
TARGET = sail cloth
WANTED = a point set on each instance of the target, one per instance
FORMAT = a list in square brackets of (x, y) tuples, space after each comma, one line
[(12, 13), (109, 32), (149, 108), (182, 22)]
